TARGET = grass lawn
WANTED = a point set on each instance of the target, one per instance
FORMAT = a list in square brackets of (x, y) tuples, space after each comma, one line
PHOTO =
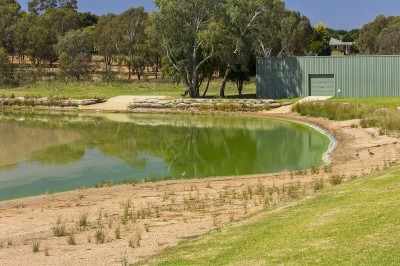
[(355, 223), (85, 90), (384, 102)]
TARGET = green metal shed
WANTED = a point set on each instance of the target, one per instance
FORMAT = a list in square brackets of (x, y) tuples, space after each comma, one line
[(342, 76)]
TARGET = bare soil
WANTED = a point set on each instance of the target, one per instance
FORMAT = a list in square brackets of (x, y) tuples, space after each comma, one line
[(154, 216)]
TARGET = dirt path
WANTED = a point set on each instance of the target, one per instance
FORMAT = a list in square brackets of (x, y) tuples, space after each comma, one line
[(119, 103), (154, 216)]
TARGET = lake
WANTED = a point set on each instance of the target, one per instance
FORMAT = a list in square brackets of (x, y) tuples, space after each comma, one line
[(47, 152)]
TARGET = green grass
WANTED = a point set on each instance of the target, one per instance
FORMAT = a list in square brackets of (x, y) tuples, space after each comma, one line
[(356, 223), (86, 90), (383, 102), (293, 100)]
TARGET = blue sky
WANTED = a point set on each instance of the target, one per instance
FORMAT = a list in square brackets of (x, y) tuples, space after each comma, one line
[(338, 14)]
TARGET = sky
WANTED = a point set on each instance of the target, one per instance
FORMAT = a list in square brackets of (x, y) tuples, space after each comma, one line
[(336, 14)]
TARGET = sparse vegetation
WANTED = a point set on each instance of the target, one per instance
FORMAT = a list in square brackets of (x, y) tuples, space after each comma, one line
[(386, 120), (322, 225)]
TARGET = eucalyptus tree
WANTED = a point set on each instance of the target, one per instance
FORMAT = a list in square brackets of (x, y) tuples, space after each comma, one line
[(183, 27), (295, 33), (9, 13), (102, 41), (73, 50), (369, 33), (6, 69), (25, 22), (42, 6), (244, 23), (389, 40), (129, 38)]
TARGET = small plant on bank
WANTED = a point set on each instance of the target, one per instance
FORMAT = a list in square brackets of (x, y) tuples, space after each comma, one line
[(59, 230), (327, 169), (35, 246), (83, 220), (118, 233), (315, 170), (9, 243), (71, 240), (46, 251), (124, 259), (336, 180), (100, 236), (318, 184), (147, 227), (293, 191), (231, 216)]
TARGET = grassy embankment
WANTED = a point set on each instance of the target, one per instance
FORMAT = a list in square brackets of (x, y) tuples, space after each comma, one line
[(374, 112), (354, 223), (97, 89)]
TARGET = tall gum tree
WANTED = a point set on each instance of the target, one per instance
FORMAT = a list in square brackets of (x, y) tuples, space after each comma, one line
[(183, 27), (245, 22)]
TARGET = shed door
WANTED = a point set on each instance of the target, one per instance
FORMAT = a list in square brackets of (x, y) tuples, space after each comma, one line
[(322, 85)]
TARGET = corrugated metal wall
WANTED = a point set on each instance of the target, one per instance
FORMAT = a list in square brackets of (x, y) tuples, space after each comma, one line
[(355, 76)]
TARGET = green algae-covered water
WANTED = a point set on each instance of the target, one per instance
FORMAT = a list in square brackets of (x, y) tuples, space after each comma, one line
[(42, 152)]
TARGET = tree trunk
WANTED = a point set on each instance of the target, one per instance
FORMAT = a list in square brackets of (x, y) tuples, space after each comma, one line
[(138, 74), (208, 85), (130, 73), (193, 91), (222, 92), (240, 86)]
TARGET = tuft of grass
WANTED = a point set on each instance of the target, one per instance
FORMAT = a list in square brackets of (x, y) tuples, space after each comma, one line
[(124, 259), (318, 184), (46, 251), (35, 246), (117, 233), (83, 219), (71, 240), (59, 230), (147, 227), (100, 236), (336, 180)]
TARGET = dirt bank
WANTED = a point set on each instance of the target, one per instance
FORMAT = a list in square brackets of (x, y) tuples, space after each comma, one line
[(154, 216)]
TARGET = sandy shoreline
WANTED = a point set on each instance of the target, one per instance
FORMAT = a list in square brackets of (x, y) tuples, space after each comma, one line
[(163, 214)]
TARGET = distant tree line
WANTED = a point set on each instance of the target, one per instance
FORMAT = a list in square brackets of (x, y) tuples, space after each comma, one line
[(381, 36), (184, 41)]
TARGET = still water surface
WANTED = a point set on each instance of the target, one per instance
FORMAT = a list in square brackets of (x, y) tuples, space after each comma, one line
[(42, 152)]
